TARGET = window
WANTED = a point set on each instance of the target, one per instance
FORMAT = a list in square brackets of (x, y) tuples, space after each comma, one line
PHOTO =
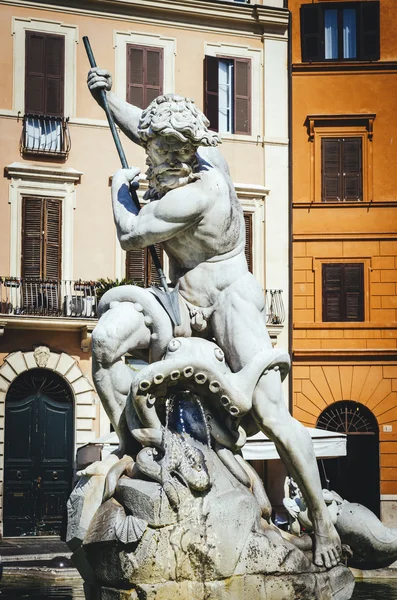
[(343, 292), (341, 169), (144, 74), (41, 238), (44, 73), (340, 31), (228, 94), (44, 127), (139, 266)]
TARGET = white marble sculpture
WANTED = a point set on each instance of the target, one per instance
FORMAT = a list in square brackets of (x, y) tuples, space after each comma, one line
[(371, 545), (211, 380)]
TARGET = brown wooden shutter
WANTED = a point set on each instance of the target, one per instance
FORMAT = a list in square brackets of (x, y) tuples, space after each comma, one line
[(55, 67), (32, 237), (152, 273), (352, 169), (242, 96), (332, 292), (154, 73), (35, 73), (140, 268), (248, 240), (52, 239), (369, 33), (343, 292), (135, 82), (354, 292), (211, 93), (136, 269), (44, 74), (312, 32), (41, 238), (144, 74), (331, 169)]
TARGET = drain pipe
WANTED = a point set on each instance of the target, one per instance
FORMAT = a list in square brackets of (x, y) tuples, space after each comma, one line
[(290, 213)]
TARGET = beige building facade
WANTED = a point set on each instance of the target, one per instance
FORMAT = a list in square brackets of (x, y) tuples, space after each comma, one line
[(57, 237)]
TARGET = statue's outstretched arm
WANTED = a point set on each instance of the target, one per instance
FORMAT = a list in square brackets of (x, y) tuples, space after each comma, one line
[(157, 221), (126, 115)]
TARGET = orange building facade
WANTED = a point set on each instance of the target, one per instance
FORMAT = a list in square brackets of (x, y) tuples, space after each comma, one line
[(344, 128)]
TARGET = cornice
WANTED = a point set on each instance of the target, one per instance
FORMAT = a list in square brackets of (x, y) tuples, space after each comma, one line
[(387, 66), (346, 353), (204, 14), (357, 204), (54, 173)]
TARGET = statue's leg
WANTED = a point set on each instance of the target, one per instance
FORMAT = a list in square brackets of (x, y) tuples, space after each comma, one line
[(240, 330), (120, 330), (295, 447)]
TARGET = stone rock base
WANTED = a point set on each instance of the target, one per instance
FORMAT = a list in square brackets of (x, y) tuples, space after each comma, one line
[(336, 584)]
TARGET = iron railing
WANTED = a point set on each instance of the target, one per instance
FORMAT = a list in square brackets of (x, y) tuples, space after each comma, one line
[(45, 297), (275, 311), (65, 298), (45, 135)]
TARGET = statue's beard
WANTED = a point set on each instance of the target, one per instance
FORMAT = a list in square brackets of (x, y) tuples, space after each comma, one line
[(165, 177)]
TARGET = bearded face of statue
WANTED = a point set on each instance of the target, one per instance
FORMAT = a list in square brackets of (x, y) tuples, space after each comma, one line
[(171, 163)]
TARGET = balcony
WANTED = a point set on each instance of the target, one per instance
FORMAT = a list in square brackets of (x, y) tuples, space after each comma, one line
[(274, 306), (47, 298), (45, 136)]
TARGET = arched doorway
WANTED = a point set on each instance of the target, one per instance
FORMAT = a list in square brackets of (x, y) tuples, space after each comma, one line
[(355, 476), (38, 454)]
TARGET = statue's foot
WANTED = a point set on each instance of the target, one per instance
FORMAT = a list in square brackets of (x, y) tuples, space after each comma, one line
[(327, 546)]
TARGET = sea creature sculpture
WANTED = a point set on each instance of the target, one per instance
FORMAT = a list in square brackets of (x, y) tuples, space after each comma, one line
[(169, 455), (199, 365), (372, 544)]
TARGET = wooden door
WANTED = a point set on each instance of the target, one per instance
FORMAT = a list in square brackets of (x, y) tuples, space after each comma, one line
[(38, 461)]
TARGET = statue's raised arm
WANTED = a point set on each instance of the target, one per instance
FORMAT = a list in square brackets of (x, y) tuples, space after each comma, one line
[(126, 115)]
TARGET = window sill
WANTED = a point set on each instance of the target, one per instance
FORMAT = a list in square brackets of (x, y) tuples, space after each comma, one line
[(238, 137), (349, 65), (357, 204), (345, 325)]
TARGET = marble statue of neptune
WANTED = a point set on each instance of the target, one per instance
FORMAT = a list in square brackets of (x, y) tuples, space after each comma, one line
[(195, 214)]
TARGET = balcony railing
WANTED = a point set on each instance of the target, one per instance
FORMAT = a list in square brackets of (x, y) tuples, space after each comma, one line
[(48, 298), (78, 299), (275, 312), (44, 135)]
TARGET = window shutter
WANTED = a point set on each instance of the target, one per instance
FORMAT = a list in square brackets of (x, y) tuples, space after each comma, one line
[(154, 74), (152, 273), (242, 96), (136, 261), (248, 240), (135, 83), (312, 32), (55, 66), (144, 75), (35, 73), (32, 237), (352, 169), (332, 292), (52, 239), (331, 169), (369, 30), (211, 94), (354, 292)]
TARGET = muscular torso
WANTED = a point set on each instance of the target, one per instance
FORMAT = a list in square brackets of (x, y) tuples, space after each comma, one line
[(208, 256)]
